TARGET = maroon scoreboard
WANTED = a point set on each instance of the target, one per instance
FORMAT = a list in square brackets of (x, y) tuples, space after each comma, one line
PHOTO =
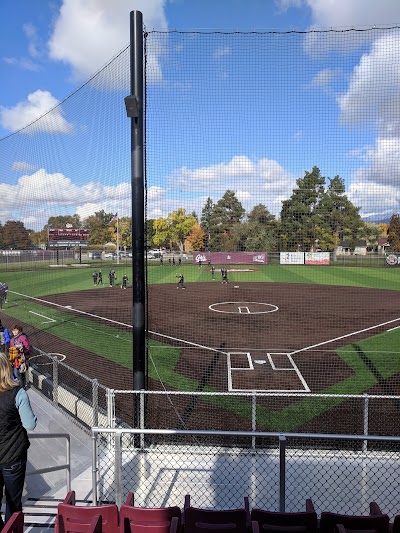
[(68, 237)]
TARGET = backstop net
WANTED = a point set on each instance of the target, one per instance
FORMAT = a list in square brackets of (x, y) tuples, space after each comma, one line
[(272, 229)]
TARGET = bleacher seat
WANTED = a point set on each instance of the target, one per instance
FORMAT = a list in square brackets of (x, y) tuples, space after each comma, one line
[(149, 520), (198, 520), (73, 518), (263, 521), (15, 524)]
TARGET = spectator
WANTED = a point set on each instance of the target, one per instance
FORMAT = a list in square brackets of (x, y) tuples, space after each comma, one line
[(20, 363), (16, 417), (4, 339)]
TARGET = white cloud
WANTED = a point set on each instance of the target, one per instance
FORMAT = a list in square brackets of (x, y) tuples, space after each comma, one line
[(35, 46), (375, 198), (345, 13), (268, 182), (23, 62), (375, 184), (221, 52), (324, 78), (87, 33), (373, 95), (22, 166), (60, 196), (35, 106)]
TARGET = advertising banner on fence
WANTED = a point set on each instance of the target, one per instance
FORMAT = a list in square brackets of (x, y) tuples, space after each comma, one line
[(393, 260), (316, 258), (291, 258), (230, 258)]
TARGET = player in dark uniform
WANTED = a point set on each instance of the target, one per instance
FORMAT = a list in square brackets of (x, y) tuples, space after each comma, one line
[(124, 281), (94, 276), (181, 281), (99, 278)]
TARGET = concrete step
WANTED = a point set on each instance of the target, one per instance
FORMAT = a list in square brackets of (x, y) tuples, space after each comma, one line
[(40, 514)]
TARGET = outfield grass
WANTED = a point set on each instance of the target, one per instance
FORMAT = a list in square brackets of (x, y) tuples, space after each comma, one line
[(371, 360)]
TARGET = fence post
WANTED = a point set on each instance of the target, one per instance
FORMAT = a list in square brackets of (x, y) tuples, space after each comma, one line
[(282, 473), (118, 469), (94, 468), (253, 418), (55, 379), (110, 408), (141, 420), (95, 401), (366, 413)]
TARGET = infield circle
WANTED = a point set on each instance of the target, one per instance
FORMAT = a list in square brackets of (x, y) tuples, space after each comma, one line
[(60, 356), (243, 308)]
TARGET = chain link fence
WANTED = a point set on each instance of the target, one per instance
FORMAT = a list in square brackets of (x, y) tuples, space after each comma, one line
[(92, 404), (339, 472), (277, 470)]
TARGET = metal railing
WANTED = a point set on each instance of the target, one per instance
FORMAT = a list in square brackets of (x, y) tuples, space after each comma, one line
[(55, 468), (336, 471)]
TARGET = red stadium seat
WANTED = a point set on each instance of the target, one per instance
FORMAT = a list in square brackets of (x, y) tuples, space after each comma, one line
[(149, 520), (15, 523), (215, 521), (72, 518), (269, 521), (375, 522)]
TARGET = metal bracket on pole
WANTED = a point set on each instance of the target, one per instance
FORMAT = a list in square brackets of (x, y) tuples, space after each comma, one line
[(132, 106)]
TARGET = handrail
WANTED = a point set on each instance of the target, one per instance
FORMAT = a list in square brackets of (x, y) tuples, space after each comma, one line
[(55, 468)]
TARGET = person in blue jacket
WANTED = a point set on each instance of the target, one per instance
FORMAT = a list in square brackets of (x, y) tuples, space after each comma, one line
[(4, 339), (16, 417)]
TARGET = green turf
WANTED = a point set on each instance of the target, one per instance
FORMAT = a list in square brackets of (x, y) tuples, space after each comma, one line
[(372, 360)]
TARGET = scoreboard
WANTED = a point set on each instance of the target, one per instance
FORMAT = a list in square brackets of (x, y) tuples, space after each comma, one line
[(69, 237)]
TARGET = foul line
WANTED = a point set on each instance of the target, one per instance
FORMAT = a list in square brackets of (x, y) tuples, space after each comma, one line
[(69, 308), (43, 316), (345, 336)]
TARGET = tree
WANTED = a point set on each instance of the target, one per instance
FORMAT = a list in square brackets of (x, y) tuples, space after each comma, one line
[(60, 221), (227, 212), (196, 238), (371, 233), (317, 218), (258, 234), (173, 229), (206, 221), (340, 219), (299, 214), (99, 227), (394, 233), (14, 235)]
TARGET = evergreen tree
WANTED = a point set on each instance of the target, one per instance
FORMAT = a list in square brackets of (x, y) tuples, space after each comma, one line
[(299, 214), (258, 234), (393, 233), (227, 212), (206, 222), (339, 218)]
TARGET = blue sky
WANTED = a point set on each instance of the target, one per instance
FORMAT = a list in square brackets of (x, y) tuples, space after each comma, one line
[(316, 103)]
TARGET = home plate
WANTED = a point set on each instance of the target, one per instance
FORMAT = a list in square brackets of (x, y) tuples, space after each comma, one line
[(260, 361)]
